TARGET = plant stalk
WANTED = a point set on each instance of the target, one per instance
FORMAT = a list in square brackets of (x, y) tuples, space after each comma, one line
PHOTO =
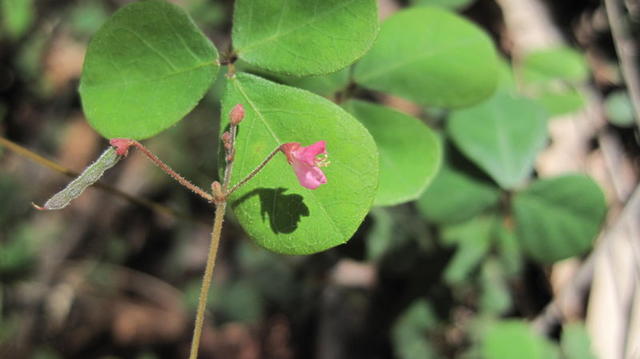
[(207, 277)]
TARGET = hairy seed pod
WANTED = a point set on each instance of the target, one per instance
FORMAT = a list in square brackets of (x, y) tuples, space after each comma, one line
[(88, 177)]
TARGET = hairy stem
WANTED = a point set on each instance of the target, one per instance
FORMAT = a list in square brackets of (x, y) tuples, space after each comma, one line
[(229, 159), (254, 172), (217, 196), (207, 277), (163, 166)]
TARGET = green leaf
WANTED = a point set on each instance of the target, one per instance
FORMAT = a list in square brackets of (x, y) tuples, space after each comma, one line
[(473, 239), (506, 79), (87, 16), (495, 297), (303, 37), (410, 153), (619, 109), (561, 102), (456, 196), (239, 301), (575, 342), (515, 339), (509, 252), (145, 69), (409, 331), (561, 63), (502, 136), (325, 85), (274, 209), (559, 217), (381, 236), (17, 16), (450, 4), (432, 57)]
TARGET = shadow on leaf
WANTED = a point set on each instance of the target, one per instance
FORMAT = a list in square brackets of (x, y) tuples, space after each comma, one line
[(284, 210)]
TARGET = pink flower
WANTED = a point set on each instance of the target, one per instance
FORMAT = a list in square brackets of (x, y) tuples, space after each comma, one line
[(306, 162)]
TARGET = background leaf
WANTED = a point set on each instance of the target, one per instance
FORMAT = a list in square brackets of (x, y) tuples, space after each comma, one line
[(551, 76), (381, 235), (473, 239), (575, 342), (324, 85), (561, 102), (558, 63), (559, 217), (303, 37), (409, 331), (495, 298), (274, 208), (515, 339), (502, 136), (145, 69), (17, 16), (410, 153), (456, 196), (430, 67), (619, 109)]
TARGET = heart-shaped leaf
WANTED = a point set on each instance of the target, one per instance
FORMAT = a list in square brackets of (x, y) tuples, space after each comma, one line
[(410, 152), (303, 37), (274, 209), (559, 217), (456, 196), (144, 70), (431, 56), (502, 135)]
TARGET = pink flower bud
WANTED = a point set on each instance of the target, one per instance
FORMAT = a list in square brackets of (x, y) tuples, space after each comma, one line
[(306, 162), (226, 137), (237, 114)]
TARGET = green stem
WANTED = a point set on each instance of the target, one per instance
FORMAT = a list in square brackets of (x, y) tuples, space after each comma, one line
[(206, 279)]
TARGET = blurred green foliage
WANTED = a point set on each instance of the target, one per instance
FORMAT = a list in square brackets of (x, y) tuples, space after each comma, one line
[(449, 266)]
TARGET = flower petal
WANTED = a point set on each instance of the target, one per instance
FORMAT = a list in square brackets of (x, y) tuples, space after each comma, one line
[(308, 154), (310, 177)]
